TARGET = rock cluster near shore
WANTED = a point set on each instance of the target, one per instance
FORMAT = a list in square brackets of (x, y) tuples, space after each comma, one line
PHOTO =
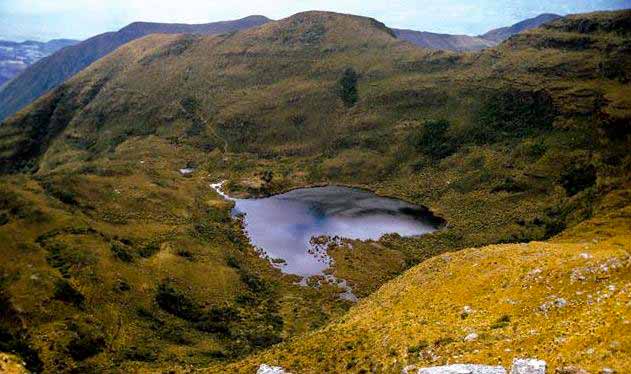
[(520, 366)]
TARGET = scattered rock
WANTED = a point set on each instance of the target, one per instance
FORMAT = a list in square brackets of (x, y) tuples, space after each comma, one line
[(466, 311), (608, 371), (462, 369), (266, 369), (471, 337), (558, 303), (528, 366), (187, 171)]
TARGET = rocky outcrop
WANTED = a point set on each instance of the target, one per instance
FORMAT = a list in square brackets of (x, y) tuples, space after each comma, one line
[(460, 369), (528, 366), (266, 369), (520, 366)]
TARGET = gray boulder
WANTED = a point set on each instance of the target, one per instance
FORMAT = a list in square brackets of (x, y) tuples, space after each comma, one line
[(462, 369), (528, 366), (266, 369)]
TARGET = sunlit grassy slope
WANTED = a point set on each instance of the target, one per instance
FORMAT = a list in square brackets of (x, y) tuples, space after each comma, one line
[(565, 301), (112, 260)]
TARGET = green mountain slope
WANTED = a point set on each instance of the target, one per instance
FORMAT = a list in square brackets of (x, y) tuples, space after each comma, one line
[(512, 144), (52, 71)]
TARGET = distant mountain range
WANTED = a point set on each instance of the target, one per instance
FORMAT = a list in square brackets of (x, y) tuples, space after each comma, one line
[(50, 72), (53, 70), (463, 43), (501, 34), (16, 57), (458, 43)]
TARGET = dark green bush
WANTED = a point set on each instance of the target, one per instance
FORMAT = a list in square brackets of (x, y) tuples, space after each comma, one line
[(218, 320), (347, 86), (141, 354), (185, 253), (60, 193), (254, 282), (149, 249), (233, 262), (175, 302), (12, 337), (501, 322), (510, 185), (85, 344), (512, 114), (433, 140), (578, 178), (121, 252), (418, 347), (66, 293)]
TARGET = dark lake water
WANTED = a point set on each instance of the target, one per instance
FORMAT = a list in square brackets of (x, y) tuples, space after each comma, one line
[(283, 225)]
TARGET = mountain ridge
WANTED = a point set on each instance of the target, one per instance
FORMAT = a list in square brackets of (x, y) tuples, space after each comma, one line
[(55, 69), (503, 33)]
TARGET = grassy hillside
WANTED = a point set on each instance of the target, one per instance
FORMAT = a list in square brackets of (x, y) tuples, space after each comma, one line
[(52, 71), (565, 301), (115, 260)]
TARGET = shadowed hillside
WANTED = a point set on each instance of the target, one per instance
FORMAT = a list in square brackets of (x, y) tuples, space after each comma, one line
[(126, 264), (50, 72), (462, 43), (458, 43)]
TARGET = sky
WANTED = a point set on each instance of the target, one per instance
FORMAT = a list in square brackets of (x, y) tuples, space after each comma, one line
[(80, 19)]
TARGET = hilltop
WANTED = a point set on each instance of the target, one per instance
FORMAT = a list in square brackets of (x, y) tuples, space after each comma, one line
[(53, 70), (123, 263)]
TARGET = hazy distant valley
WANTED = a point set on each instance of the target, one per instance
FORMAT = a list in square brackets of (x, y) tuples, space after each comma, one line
[(17, 57)]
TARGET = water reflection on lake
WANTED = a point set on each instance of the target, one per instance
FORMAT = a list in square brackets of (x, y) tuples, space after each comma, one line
[(283, 225)]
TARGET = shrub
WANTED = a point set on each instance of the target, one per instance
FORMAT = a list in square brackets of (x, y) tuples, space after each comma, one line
[(61, 194), (512, 114), (185, 253), (66, 293), (419, 347), (175, 302), (509, 185), (253, 282), (233, 262), (85, 344), (141, 354), (218, 320), (121, 252), (149, 249), (433, 141), (501, 322), (347, 86), (12, 337), (578, 178)]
